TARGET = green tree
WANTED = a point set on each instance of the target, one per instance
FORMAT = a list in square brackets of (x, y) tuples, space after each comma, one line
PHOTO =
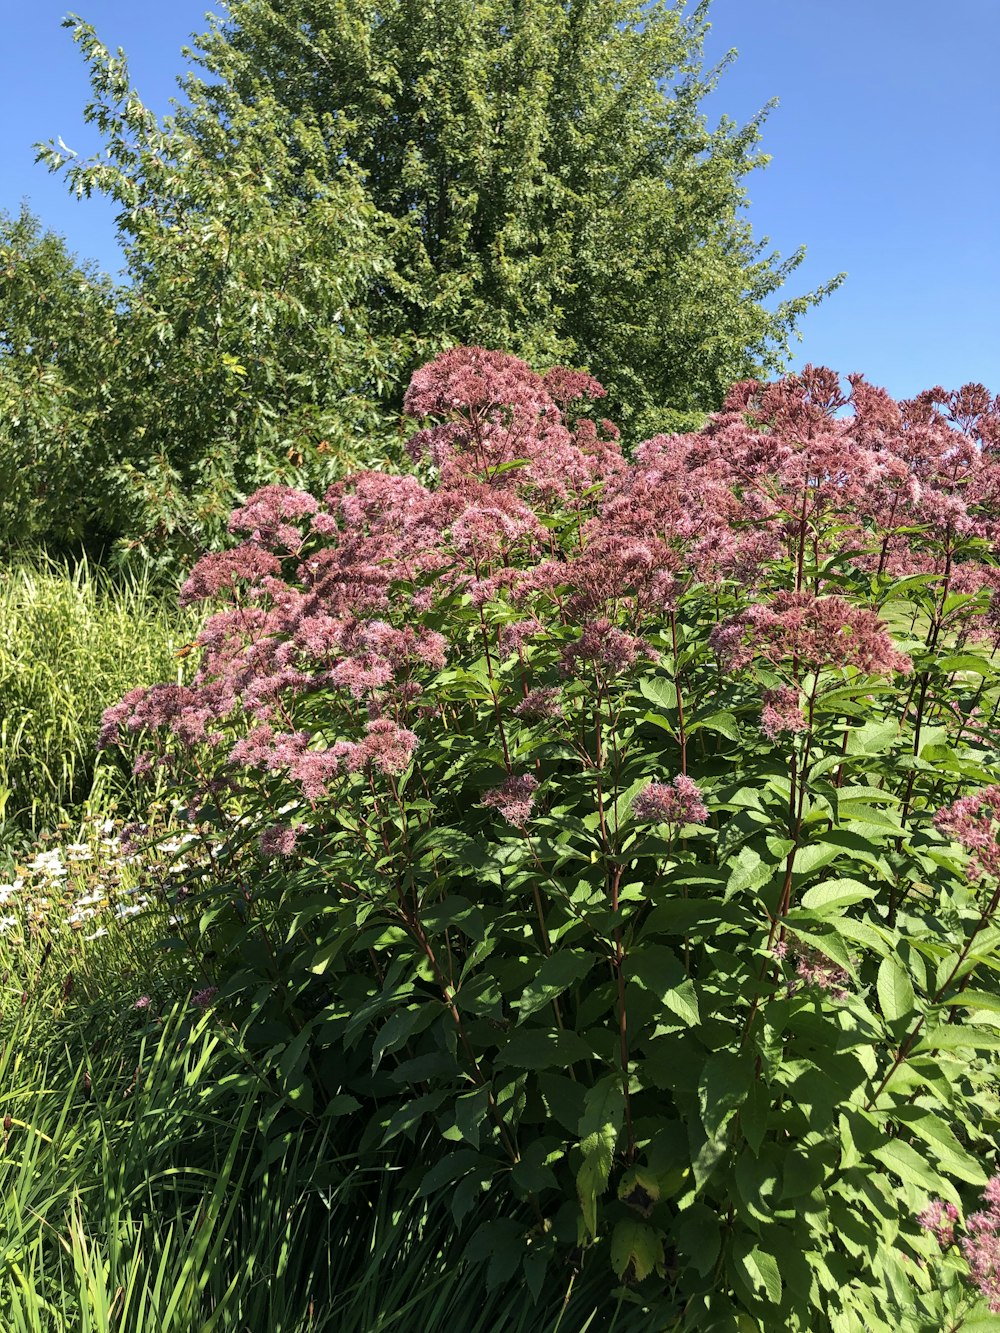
[(560, 192), (347, 188), (56, 337)]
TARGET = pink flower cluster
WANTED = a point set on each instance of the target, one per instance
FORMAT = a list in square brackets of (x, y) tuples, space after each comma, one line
[(781, 713), (814, 632), (677, 802), (939, 1218), (974, 821), (981, 1246), (332, 615), (813, 968), (513, 799)]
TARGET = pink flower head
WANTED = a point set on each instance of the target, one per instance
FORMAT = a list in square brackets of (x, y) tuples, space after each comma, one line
[(940, 1218), (513, 799), (981, 1247), (387, 746), (203, 999), (539, 703), (605, 646), (678, 802), (813, 968), (278, 840), (973, 822), (781, 712), (814, 631)]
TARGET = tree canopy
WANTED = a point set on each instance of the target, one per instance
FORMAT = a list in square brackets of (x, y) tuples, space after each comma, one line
[(346, 188)]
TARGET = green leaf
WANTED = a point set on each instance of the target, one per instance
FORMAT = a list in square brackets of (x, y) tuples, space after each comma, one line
[(749, 872), (559, 971), (873, 738), (397, 1030), (657, 970), (543, 1048), (834, 894), (975, 999), (909, 1166), (942, 1141), (636, 1250), (658, 691), (600, 1125), (724, 724), (725, 1081), (762, 1269), (895, 990), (950, 1037), (471, 1113), (698, 1236)]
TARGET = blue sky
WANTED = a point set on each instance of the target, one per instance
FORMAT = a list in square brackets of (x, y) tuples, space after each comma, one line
[(885, 147)]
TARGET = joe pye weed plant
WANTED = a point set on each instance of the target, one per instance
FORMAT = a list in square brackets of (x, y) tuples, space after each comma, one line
[(624, 871)]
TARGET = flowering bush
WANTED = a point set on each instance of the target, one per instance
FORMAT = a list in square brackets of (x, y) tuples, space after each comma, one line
[(625, 813)]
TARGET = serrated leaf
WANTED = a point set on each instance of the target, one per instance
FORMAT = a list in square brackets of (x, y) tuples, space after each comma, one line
[(723, 723), (762, 1269), (564, 968), (895, 990), (955, 1038), (834, 894), (908, 1164), (725, 1081), (471, 1113), (975, 999), (600, 1125), (698, 1236), (543, 1048), (657, 969), (636, 1250), (658, 691), (748, 872), (946, 1147)]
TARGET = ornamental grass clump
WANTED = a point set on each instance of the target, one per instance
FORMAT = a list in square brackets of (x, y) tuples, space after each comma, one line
[(610, 822)]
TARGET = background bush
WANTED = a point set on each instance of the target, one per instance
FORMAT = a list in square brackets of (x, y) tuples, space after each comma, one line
[(612, 822)]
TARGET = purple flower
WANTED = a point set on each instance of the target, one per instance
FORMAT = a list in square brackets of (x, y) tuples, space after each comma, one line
[(781, 713), (539, 703), (278, 840), (513, 799), (203, 999), (679, 802), (940, 1218), (981, 1247)]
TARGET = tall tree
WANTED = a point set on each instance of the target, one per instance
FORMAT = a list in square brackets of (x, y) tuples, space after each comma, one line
[(348, 186), (560, 192), (57, 329)]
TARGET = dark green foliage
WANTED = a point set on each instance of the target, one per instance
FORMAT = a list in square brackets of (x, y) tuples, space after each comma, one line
[(345, 190), (558, 190), (57, 325)]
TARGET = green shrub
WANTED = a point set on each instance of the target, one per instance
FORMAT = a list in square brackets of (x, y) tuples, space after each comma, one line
[(600, 830)]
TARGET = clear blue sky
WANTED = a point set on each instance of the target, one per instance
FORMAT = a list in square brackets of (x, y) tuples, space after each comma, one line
[(885, 147)]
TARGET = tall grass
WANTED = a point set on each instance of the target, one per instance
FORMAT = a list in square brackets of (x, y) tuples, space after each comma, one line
[(73, 639)]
